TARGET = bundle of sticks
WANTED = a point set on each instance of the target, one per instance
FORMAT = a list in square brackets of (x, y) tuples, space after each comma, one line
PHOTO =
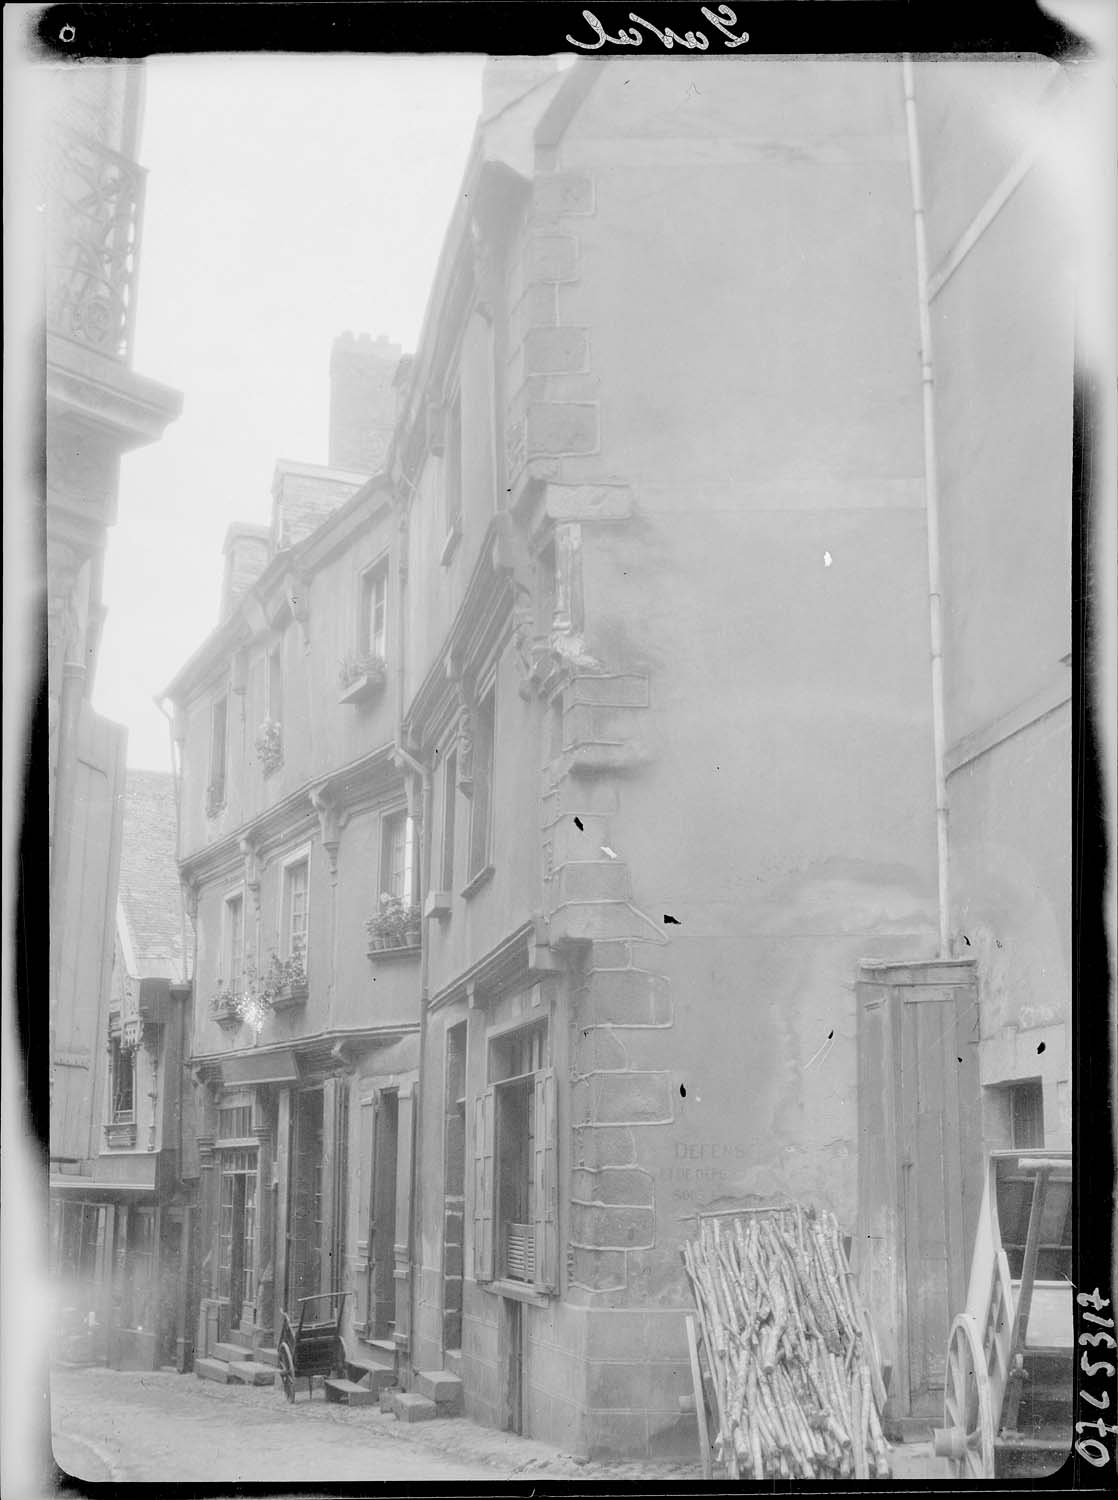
[(793, 1367)]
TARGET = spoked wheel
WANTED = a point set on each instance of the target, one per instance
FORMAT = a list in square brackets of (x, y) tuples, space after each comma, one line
[(967, 1436), (287, 1372)]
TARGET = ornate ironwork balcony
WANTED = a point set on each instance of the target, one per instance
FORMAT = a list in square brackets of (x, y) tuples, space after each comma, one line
[(95, 209)]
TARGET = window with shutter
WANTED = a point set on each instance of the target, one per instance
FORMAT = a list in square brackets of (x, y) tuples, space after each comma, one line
[(364, 1213), (483, 1186), (545, 1185)]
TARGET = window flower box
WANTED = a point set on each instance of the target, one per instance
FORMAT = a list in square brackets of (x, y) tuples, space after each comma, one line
[(269, 746), (361, 677), (225, 1008)]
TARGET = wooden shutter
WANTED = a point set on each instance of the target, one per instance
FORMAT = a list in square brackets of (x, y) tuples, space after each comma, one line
[(483, 1186), (545, 1184), (364, 1213)]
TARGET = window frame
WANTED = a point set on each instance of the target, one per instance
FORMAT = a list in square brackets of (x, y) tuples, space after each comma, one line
[(274, 683), (117, 1056), (479, 864), (390, 819), (218, 773), (233, 898), (291, 862), (539, 1187), (371, 581)]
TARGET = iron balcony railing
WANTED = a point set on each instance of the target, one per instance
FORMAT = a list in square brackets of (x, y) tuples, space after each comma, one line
[(95, 210)]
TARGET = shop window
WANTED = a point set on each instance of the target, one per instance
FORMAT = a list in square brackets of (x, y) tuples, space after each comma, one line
[(234, 1122), (294, 928), (237, 1229), (515, 1180), (482, 802), (138, 1289)]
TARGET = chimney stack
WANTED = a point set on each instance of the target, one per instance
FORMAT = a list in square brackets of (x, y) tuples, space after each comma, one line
[(248, 550), (362, 401)]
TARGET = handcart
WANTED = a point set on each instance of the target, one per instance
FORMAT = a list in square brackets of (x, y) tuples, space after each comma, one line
[(312, 1346), (1010, 1356)]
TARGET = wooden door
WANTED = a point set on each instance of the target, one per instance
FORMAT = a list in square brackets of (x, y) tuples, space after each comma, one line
[(920, 1158)]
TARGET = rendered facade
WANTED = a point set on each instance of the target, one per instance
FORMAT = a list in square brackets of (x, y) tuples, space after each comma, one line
[(703, 640)]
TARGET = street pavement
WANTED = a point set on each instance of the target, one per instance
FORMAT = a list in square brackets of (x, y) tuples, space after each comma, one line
[(159, 1427)]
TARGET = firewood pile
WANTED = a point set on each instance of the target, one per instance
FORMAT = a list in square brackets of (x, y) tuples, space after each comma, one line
[(792, 1363)]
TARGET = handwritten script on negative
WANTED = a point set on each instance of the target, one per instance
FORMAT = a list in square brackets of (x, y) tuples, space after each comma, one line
[(723, 20)]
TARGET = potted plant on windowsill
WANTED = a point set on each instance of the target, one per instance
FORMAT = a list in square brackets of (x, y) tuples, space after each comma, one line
[(284, 983), (395, 928), (361, 677), (269, 746)]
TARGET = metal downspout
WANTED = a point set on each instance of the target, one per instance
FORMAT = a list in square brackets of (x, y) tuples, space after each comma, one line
[(931, 503), (403, 758)]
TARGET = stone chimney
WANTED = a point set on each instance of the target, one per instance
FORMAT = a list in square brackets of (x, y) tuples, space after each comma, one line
[(248, 550), (506, 79), (362, 401)]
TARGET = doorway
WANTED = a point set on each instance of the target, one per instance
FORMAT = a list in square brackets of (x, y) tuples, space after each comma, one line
[(382, 1298), (305, 1231), (237, 1231)]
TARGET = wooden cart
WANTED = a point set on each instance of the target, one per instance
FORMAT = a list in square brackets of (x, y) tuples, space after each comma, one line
[(312, 1346), (1010, 1357)]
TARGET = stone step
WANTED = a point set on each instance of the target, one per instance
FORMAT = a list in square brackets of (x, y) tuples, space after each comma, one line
[(350, 1393), (227, 1352), (239, 1337), (439, 1386), (268, 1357), (410, 1406), (212, 1369), (251, 1372), (380, 1352), (373, 1377), (452, 1361)]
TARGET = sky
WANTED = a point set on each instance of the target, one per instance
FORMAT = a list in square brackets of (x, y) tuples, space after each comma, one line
[(288, 200)]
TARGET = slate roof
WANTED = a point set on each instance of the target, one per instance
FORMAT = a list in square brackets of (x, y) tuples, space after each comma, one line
[(150, 901)]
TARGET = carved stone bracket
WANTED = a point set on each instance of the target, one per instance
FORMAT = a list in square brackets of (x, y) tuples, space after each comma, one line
[(331, 821), (297, 591), (251, 857)]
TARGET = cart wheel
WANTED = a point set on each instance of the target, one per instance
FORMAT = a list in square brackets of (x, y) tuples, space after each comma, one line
[(967, 1436), (287, 1372)]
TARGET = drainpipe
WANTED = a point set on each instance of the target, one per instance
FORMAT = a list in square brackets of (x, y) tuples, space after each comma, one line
[(176, 781), (931, 502), (404, 758)]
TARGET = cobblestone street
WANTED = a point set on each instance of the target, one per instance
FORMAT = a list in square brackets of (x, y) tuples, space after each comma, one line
[(129, 1426)]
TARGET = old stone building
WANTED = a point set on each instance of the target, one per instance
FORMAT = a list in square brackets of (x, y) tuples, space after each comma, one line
[(297, 833), (97, 408), (718, 564)]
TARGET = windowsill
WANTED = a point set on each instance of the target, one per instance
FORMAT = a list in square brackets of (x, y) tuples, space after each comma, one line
[(482, 878), (437, 905), (390, 955), (518, 1291), (363, 688), (450, 546)]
